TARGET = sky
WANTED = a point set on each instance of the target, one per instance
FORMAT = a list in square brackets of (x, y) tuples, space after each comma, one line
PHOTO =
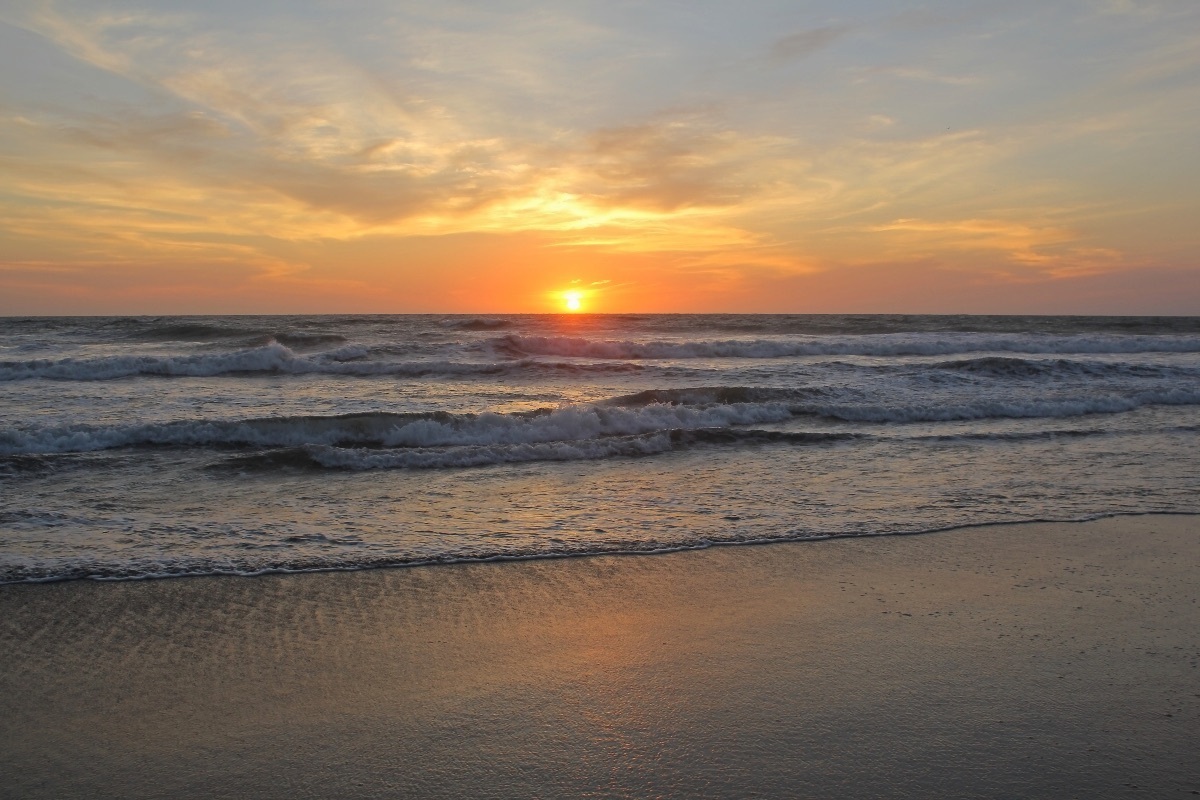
[(857, 156)]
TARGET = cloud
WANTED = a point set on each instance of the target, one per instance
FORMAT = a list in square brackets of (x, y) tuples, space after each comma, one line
[(1044, 250), (920, 74), (1178, 58), (222, 135), (1020, 240), (803, 44), (1125, 8), (662, 166)]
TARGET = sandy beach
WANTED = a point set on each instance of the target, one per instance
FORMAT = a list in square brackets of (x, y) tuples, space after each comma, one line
[(641, 401), (1033, 660)]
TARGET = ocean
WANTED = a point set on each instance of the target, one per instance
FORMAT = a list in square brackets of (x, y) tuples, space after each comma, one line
[(140, 447)]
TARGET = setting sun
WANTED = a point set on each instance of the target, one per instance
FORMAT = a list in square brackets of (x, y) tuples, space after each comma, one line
[(573, 300)]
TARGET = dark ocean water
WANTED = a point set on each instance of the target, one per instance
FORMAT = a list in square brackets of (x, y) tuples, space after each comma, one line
[(137, 447)]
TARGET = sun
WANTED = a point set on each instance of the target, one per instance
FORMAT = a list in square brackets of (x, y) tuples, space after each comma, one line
[(573, 300)]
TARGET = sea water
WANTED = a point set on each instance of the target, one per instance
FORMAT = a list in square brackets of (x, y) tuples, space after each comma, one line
[(135, 447)]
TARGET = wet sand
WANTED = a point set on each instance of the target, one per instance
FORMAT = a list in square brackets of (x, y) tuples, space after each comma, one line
[(1037, 660)]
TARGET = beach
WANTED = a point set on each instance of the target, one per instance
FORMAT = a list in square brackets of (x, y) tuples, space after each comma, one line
[(600, 400), (1028, 660)]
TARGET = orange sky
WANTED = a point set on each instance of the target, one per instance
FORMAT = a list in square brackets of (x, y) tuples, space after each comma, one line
[(776, 157)]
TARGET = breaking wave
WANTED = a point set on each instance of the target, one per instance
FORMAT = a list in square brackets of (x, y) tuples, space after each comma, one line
[(572, 423), (641, 414)]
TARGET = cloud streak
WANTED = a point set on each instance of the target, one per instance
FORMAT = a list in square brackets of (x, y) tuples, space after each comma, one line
[(803, 44)]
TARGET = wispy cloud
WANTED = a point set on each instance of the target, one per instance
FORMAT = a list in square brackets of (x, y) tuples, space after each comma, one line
[(1127, 7), (918, 74), (1030, 250), (802, 44)]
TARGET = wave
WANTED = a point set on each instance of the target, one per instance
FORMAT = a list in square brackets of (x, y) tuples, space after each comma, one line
[(704, 395), (640, 414), (1012, 367), (435, 429), (477, 324), (303, 339), (189, 332), (30, 464), (1004, 409), (468, 456), (1020, 436), (272, 358), (825, 403), (853, 324), (202, 332), (515, 346), (232, 328)]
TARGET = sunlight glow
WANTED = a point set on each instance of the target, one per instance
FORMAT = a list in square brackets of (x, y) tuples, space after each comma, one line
[(573, 300)]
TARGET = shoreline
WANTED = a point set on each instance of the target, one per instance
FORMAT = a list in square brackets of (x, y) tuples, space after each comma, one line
[(1011, 659), (451, 561)]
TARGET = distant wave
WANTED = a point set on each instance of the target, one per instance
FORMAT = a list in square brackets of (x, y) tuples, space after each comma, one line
[(205, 332), (272, 357), (854, 324), (513, 345), (477, 324), (190, 332), (303, 339)]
